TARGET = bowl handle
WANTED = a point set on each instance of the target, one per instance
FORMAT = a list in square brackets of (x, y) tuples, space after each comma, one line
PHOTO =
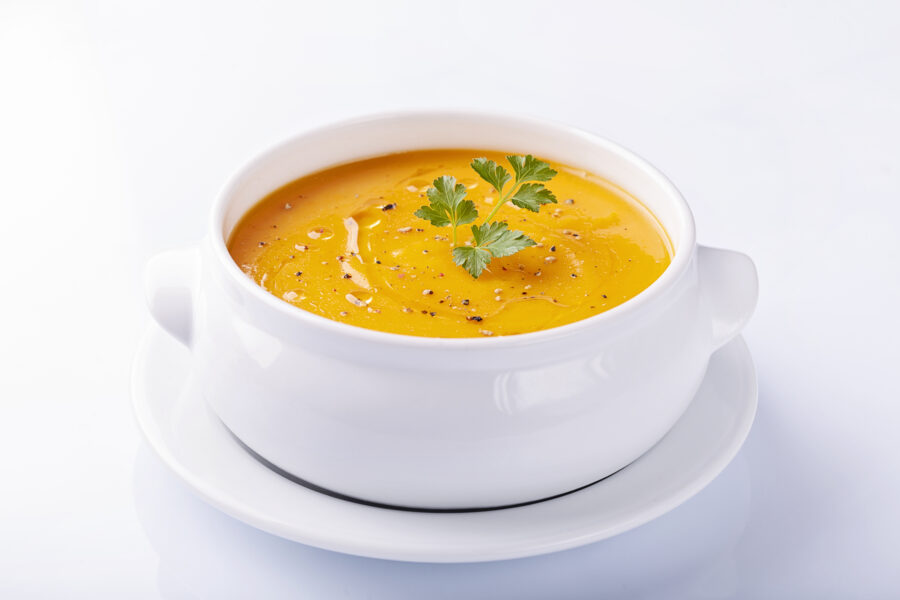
[(730, 288), (170, 279)]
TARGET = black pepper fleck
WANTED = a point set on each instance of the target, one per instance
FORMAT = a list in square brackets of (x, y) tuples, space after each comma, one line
[(432, 314), (298, 273), (552, 248), (476, 319), (347, 275), (465, 302), (390, 206)]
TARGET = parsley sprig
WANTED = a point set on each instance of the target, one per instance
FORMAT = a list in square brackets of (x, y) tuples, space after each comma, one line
[(492, 239)]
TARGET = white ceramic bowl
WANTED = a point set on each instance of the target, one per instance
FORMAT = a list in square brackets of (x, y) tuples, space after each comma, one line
[(449, 423)]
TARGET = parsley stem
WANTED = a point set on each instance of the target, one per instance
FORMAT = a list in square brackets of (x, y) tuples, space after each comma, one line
[(454, 235), (501, 201)]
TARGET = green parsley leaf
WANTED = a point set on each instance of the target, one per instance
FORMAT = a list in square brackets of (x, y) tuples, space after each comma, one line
[(499, 239), (532, 196), (491, 240), (491, 172), (436, 214), (448, 205), (472, 259), (529, 168)]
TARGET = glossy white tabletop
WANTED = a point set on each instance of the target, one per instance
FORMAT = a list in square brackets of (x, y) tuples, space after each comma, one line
[(120, 121)]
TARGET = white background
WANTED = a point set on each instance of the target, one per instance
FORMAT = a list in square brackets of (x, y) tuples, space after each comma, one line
[(780, 124)]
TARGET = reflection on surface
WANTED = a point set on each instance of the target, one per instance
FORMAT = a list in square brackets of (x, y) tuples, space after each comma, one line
[(205, 553)]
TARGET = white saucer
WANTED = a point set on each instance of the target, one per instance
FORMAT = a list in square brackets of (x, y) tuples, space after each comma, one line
[(189, 438)]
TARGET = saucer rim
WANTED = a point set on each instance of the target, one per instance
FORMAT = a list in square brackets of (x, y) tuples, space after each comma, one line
[(240, 510)]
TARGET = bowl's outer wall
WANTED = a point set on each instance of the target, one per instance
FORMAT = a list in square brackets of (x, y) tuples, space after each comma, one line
[(458, 436)]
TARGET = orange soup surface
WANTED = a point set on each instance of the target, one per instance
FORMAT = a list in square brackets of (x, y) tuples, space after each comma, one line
[(344, 244)]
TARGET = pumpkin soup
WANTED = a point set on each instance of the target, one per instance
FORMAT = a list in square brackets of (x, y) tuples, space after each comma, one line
[(351, 244)]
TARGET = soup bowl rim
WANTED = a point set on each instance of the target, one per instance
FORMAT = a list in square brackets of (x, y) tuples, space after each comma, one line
[(683, 251)]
